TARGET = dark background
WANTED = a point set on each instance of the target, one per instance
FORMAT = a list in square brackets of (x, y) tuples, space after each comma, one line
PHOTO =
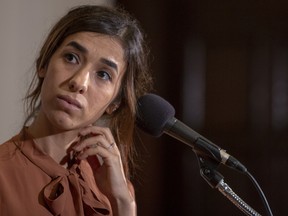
[(223, 65)]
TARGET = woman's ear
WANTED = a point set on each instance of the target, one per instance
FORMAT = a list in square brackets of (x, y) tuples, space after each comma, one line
[(42, 72), (112, 108)]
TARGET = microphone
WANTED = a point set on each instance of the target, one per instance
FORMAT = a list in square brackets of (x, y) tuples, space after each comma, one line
[(155, 116)]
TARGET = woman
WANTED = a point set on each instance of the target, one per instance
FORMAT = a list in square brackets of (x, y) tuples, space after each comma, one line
[(72, 156)]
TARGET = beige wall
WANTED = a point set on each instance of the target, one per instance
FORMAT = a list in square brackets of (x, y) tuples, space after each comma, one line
[(23, 25)]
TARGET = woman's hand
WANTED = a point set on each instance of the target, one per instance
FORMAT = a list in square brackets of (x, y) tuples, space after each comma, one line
[(110, 176)]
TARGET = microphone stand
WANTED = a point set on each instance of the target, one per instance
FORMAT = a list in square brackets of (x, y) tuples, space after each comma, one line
[(208, 170)]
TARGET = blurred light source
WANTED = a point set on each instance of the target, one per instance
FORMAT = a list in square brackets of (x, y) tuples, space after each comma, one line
[(194, 83), (280, 87)]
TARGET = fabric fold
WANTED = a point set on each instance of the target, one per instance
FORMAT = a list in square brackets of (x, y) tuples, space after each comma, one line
[(67, 194), (67, 189)]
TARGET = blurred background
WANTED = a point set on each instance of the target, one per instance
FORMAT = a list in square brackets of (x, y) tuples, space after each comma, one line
[(222, 64)]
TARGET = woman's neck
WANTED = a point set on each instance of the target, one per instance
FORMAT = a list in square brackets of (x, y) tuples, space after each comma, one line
[(57, 144)]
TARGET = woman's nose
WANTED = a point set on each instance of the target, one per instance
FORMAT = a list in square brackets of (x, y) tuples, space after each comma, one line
[(79, 82)]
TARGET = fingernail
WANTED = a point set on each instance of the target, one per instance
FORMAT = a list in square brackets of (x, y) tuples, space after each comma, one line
[(76, 148), (79, 156)]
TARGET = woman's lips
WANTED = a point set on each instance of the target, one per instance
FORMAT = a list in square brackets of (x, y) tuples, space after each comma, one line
[(70, 100)]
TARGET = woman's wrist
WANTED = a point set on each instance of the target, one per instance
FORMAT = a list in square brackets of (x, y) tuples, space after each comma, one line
[(124, 207)]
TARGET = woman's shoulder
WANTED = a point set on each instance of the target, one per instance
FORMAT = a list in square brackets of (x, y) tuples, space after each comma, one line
[(8, 149)]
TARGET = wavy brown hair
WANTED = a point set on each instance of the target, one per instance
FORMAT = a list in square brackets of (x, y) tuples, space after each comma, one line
[(117, 23)]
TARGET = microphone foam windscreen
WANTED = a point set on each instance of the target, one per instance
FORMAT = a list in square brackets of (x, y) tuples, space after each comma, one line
[(153, 112)]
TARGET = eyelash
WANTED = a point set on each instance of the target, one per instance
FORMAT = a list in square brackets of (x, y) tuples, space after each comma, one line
[(68, 56), (101, 73)]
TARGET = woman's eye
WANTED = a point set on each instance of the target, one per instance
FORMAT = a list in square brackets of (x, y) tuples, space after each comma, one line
[(72, 58), (104, 75)]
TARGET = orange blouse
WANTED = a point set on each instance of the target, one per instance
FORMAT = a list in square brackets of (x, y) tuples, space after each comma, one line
[(32, 183)]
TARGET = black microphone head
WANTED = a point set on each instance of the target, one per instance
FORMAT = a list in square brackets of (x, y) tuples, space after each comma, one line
[(153, 112)]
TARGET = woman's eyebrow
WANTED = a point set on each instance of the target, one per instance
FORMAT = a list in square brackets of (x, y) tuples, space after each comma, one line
[(110, 63), (78, 46)]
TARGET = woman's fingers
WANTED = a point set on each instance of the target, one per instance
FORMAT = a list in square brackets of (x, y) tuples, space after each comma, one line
[(96, 149), (95, 140), (92, 135), (94, 130)]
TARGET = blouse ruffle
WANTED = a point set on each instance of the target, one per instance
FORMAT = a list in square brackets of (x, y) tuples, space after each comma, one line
[(71, 191)]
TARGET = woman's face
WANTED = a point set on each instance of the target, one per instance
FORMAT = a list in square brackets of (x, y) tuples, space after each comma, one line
[(81, 80)]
